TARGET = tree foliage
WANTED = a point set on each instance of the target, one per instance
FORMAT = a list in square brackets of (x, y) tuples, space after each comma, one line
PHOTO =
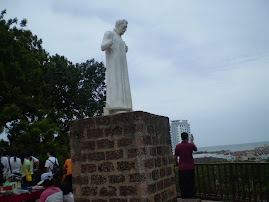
[(40, 94)]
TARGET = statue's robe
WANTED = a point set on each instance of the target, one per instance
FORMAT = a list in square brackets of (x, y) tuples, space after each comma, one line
[(118, 95)]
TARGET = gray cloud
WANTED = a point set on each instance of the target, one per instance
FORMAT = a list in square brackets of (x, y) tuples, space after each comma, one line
[(205, 61)]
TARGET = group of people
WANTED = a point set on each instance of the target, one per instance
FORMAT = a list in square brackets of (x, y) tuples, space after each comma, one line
[(22, 168), (15, 167), (62, 192)]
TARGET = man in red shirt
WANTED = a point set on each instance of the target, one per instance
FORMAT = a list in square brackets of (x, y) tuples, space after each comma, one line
[(186, 176)]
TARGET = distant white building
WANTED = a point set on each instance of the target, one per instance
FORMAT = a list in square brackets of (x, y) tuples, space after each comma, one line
[(264, 157), (176, 128), (229, 157)]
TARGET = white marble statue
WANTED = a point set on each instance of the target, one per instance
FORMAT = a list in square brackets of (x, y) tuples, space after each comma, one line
[(118, 96)]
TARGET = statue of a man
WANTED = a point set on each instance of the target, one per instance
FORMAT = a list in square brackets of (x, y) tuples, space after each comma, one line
[(118, 96)]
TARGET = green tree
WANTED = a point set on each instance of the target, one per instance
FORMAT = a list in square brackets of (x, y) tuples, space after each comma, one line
[(40, 94), (77, 91), (21, 83)]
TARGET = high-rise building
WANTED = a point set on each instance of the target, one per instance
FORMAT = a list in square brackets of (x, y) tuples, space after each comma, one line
[(176, 128)]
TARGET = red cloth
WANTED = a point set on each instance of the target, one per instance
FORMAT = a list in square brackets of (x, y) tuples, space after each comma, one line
[(184, 151), (21, 197)]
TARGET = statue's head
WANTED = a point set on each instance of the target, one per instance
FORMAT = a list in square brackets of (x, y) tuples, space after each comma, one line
[(121, 26)]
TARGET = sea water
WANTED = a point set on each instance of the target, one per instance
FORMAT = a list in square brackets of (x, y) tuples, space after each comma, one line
[(235, 147)]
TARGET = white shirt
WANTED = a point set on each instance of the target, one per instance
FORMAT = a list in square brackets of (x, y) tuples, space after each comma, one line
[(4, 161), (15, 165), (57, 197), (69, 197), (35, 160), (50, 163)]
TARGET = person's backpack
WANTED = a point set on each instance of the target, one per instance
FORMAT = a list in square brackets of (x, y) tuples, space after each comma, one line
[(55, 169)]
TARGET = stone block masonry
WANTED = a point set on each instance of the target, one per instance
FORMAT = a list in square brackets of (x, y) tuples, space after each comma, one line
[(122, 158)]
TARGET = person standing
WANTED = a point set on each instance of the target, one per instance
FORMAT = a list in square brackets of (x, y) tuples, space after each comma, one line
[(34, 162), (25, 168), (68, 166), (67, 169), (50, 162), (186, 175), (15, 164), (118, 97), (4, 170)]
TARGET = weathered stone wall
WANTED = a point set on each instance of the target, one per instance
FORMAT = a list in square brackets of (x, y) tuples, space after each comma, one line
[(122, 158)]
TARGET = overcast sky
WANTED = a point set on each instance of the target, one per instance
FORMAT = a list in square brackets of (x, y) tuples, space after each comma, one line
[(202, 61)]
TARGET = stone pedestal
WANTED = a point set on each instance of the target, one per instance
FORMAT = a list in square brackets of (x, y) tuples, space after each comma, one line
[(122, 158)]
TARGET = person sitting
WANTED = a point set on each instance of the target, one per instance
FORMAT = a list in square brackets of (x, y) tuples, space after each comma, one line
[(51, 193), (67, 192)]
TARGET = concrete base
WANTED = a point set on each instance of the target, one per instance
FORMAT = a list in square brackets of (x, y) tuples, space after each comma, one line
[(111, 111)]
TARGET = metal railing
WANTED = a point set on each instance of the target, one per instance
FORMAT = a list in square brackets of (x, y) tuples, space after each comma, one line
[(232, 181)]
